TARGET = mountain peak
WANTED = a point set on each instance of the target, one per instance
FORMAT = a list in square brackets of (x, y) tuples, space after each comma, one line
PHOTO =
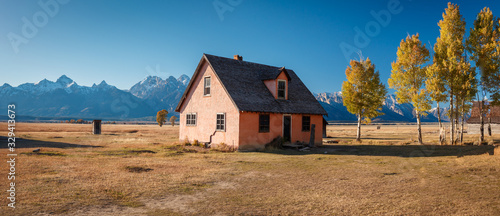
[(6, 85), (102, 85), (43, 82), (171, 79), (151, 79), (329, 97), (64, 80), (154, 87), (184, 79)]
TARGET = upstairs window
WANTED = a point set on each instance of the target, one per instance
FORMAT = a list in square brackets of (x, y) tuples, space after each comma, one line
[(191, 119), (306, 123), (206, 85), (281, 89), (263, 123), (221, 122)]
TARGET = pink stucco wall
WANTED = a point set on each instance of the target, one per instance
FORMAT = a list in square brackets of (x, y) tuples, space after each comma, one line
[(251, 138), (272, 85), (207, 108), (299, 135)]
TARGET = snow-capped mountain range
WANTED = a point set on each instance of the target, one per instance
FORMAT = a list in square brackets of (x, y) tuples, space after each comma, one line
[(393, 111), (159, 93), (45, 86), (442, 113), (65, 98)]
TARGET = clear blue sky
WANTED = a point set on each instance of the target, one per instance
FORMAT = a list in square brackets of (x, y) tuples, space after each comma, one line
[(116, 40)]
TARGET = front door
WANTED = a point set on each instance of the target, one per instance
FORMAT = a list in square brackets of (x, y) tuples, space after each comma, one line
[(287, 126)]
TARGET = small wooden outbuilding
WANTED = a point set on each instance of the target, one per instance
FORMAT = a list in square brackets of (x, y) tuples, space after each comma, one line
[(96, 127)]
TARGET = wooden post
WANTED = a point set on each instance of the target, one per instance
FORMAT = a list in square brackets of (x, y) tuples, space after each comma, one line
[(96, 127), (311, 140)]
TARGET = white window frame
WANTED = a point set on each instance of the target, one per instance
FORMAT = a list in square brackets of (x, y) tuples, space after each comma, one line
[(278, 89), (190, 121), (223, 124), (205, 85)]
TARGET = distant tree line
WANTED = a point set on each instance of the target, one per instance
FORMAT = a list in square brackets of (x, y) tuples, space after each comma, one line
[(81, 121)]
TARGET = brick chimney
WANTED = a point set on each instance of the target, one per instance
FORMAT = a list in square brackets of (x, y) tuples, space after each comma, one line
[(238, 57)]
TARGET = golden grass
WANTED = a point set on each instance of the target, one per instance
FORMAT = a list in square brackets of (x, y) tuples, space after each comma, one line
[(144, 170)]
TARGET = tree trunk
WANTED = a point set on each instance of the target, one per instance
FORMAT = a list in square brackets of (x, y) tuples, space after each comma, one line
[(441, 137), (452, 122), (439, 115), (481, 120), (358, 135), (419, 129), (462, 123), (456, 122)]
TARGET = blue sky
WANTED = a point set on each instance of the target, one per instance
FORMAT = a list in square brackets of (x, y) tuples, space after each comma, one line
[(118, 41)]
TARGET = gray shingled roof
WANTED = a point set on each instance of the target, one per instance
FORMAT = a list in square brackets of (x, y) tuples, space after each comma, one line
[(243, 81)]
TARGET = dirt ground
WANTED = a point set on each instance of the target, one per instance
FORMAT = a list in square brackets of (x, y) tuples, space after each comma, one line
[(145, 170)]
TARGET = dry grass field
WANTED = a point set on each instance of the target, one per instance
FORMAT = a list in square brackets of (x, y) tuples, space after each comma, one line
[(144, 170)]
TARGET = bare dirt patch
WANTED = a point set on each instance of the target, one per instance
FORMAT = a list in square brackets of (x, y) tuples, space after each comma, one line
[(137, 169)]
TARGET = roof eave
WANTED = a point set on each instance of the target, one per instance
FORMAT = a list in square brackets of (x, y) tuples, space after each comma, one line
[(222, 84), (197, 71), (184, 95)]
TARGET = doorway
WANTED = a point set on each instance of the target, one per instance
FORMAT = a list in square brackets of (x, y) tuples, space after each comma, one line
[(287, 127)]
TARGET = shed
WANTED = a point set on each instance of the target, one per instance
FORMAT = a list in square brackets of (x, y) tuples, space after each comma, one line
[(96, 126)]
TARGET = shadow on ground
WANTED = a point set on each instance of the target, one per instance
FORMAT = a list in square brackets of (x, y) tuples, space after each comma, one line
[(30, 143), (397, 151), (369, 138)]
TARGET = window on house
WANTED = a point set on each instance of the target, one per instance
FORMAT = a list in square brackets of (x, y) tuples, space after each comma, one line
[(281, 89), (263, 123), (306, 123), (191, 119), (221, 121), (206, 91)]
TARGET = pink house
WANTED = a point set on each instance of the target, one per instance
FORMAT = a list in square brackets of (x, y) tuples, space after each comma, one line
[(247, 105)]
